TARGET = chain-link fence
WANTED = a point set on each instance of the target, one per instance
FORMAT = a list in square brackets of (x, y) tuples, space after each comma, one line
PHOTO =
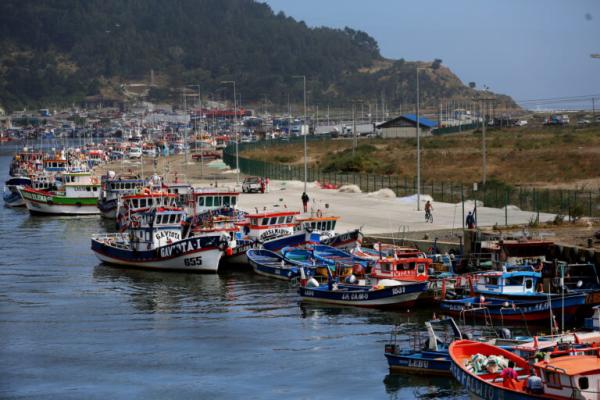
[(567, 203)]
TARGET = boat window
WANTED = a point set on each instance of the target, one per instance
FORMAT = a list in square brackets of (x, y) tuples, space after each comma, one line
[(172, 218), (273, 220), (528, 284), (135, 203), (147, 236), (217, 200), (209, 201), (491, 280), (386, 267), (420, 268), (265, 221), (142, 202), (150, 202), (89, 189), (289, 219), (158, 219), (584, 383), (201, 201), (333, 225), (94, 188), (313, 225), (225, 200), (328, 225), (281, 220), (178, 218), (514, 281), (552, 379), (233, 200)]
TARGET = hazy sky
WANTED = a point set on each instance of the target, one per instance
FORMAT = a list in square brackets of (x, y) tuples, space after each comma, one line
[(529, 49)]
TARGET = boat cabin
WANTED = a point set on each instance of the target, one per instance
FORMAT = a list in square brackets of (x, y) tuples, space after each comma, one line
[(142, 201), (150, 230), (78, 177), (269, 225), (402, 269), (571, 376), (512, 282), (212, 199), (55, 165), (125, 185), (318, 224)]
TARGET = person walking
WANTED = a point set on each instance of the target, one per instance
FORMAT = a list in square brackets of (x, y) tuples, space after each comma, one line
[(470, 221), (305, 200)]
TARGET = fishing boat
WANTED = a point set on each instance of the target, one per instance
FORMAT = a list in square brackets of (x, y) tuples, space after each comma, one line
[(392, 294), (401, 269), (112, 191), (154, 239), (141, 202), (566, 377), (11, 196), (514, 310), (333, 256), (273, 265), (78, 195), (431, 357)]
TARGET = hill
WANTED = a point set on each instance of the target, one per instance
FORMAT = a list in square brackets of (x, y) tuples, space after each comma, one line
[(60, 51)]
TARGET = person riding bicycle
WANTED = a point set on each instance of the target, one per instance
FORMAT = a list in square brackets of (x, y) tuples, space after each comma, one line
[(428, 210)]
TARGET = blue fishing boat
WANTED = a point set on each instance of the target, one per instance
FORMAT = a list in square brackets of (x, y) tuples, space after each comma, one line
[(333, 256), (432, 358), (387, 293), (268, 263), (514, 310)]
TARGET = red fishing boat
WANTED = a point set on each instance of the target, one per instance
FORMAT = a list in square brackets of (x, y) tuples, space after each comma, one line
[(478, 367)]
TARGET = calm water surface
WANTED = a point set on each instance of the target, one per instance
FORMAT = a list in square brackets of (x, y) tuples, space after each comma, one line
[(72, 328)]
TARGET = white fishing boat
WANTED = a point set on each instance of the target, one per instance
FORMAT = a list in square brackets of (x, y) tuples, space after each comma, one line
[(156, 239)]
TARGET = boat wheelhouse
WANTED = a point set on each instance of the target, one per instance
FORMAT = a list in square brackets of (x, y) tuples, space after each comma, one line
[(515, 282), (142, 202), (211, 199), (318, 224), (401, 269), (55, 165), (113, 190), (269, 225)]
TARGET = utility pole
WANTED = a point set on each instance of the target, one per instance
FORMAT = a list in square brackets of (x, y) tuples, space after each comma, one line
[(304, 134), (354, 137), (419, 144), (484, 106), (237, 152)]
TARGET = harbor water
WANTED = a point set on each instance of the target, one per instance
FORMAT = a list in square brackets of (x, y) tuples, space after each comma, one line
[(72, 328)]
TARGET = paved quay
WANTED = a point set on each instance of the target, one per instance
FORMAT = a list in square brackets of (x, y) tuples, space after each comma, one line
[(376, 214)]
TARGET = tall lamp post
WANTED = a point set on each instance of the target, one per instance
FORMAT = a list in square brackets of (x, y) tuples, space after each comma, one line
[(237, 153), (419, 143), (196, 125), (303, 77)]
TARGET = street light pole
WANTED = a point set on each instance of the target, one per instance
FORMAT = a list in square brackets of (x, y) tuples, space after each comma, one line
[(418, 147), (303, 122), (235, 132)]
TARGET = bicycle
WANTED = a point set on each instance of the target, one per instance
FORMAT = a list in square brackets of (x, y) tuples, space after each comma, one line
[(428, 216)]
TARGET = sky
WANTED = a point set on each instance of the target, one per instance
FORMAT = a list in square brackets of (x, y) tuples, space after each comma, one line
[(528, 49)]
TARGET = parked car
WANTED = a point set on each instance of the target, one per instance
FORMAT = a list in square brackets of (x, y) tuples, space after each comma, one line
[(521, 123), (584, 122), (252, 184)]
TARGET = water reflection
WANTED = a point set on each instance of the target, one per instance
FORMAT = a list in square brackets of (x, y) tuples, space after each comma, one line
[(402, 386)]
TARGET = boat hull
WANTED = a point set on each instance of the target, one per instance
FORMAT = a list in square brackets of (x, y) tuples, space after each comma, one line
[(13, 199), (395, 296), (41, 203), (428, 363), (194, 254), (525, 310), (108, 208)]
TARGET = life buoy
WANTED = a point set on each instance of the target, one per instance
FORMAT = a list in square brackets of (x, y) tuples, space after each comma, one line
[(95, 180)]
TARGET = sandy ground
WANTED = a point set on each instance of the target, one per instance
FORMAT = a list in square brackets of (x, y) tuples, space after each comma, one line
[(374, 214)]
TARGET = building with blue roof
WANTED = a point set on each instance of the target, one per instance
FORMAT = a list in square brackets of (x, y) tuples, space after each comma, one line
[(405, 126)]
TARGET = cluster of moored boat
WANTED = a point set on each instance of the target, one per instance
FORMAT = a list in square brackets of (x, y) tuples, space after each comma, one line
[(165, 223)]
